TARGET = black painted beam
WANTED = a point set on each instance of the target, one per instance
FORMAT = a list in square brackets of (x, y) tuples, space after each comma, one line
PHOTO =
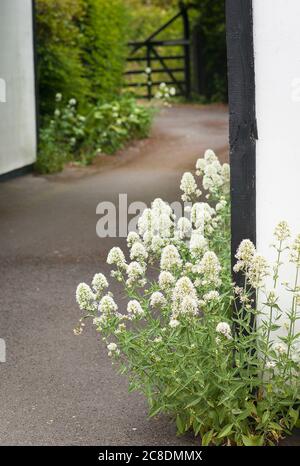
[(242, 121)]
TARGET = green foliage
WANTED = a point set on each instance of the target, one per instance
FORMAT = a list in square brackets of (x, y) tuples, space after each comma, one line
[(59, 42), (81, 50), (114, 123), (72, 136), (105, 30)]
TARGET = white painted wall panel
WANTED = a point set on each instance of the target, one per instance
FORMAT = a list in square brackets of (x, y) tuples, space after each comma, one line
[(277, 68), (17, 103)]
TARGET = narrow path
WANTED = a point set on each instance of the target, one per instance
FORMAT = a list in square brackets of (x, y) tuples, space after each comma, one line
[(57, 388)]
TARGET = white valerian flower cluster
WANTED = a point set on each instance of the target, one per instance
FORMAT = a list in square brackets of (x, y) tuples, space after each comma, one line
[(99, 283), (157, 299), (216, 177), (224, 329), (135, 272), (282, 231), (170, 258), (189, 270), (189, 187), (116, 257), (85, 298), (280, 348), (184, 298), (135, 309)]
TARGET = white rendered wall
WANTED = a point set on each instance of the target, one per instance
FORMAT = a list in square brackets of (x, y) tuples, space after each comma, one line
[(277, 69), (17, 95)]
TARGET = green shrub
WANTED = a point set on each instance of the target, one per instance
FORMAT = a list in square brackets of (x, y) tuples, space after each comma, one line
[(113, 124), (72, 136), (59, 43), (105, 30)]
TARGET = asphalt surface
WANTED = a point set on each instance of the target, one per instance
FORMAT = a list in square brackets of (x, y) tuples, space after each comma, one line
[(56, 388)]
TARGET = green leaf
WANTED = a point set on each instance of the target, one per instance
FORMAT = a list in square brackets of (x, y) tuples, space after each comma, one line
[(206, 439), (180, 424), (226, 431), (253, 440)]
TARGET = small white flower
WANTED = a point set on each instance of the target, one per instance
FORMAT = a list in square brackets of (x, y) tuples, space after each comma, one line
[(58, 97), (184, 228), (211, 296), (189, 187), (172, 91), (270, 364), (99, 282), (134, 308), (57, 112), (282, 231), (132, 238), (166, 280), (280, 348), (170, 258), (174, 323), (138, 252), (116, 257), (112, 346), (224, 329), (157, 340), (107, 305), (72, 102), (157, 299), (258, 270), (85, 297), (148, 70)]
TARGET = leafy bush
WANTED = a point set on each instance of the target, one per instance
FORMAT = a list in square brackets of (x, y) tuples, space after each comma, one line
[(187, 341), (59, 42), (81, 49), (105, 30), (112, 124), (72, 136)]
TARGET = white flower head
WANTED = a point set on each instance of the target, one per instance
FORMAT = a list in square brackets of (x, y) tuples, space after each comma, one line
[(134, 308), (189, 187), (112, 347), (270, 365), (132, 238), (166, 280), (174, 323), (138, 252), (209, 268), (280, 348), (85, 297), (258, 270), (116, 257), (99, 282), (282, 231), (224, 329), (183, 228), (107, 305), (157, 299), (170, 258), (198, 244)]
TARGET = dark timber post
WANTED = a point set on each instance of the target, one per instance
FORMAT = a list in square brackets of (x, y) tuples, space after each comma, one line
[(242, 121), (186, 32)]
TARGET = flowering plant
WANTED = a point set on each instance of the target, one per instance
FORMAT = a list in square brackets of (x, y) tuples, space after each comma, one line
[(165, 94), (106, 127), (187, 339)]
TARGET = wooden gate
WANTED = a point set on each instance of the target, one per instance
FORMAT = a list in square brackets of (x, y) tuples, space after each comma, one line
[(149, 53)]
